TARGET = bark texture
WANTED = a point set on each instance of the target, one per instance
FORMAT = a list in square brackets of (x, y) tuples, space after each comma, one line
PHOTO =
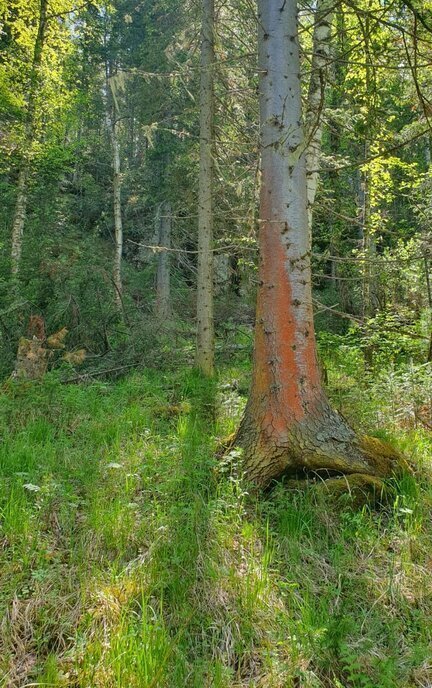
[(118, 225), (321, 53), (205, 323), (22, 193), (163, 276), (221, 273), (19, 218), (288, 423)]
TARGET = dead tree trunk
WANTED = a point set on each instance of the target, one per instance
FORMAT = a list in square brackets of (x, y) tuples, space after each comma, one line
[(163, 276), (21, 200), (288, 423), (205, 324)]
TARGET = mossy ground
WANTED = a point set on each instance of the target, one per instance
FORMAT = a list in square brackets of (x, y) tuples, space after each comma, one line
[(131, 556)]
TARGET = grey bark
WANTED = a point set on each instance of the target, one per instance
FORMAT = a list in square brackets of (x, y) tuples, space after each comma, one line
[(205, 324), (321, 53), (163, 275), (221, 272), (429, 301), (113, 125), (118, 225)]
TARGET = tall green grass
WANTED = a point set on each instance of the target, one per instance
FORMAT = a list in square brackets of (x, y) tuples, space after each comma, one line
[(130, 555)]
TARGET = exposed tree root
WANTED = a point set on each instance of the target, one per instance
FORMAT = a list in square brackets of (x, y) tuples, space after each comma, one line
[(368, 456), (325, 445), (361, 488)]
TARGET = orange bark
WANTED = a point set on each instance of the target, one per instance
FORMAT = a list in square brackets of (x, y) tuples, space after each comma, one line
[(288, 424)]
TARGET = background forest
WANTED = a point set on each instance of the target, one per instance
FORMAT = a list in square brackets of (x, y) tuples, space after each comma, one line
[(108, 103), (129, 554)]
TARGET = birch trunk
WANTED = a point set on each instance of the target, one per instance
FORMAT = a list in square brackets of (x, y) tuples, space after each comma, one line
[(321, 51), (163, 284), (288, 423), (118, 225), (19, 218), (113, 125), (205, 325), (22, 194), (221, 273)]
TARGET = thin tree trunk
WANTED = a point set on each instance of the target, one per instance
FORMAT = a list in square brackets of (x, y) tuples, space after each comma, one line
[(118, 225), (113, 124), (22, 195), (368, 239), (429, 297), (19, 218), (321, 49), (370, 301), (288, 423), (427, 152), (364, 237), (426, 261), (205, 325), (163, 283)]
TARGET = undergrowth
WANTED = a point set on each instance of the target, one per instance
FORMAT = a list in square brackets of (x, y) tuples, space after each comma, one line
[(130, 555)]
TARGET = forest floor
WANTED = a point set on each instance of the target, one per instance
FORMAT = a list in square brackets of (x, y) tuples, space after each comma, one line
[(131, 556)]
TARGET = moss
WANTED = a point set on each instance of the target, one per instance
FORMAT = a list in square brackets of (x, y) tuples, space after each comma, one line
[(383, 457)]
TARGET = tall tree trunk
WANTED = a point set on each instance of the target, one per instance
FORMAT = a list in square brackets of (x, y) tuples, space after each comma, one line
[(288, 423), (368, 242), (22, 195), (429, 298), (113, 125), (321, 49), (370, 300), (19, 217), (205, 324), (163, 285), (118, 225), (426, 261)]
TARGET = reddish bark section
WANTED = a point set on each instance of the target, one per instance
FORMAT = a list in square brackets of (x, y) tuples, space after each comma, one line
[(286, 368), (288, 424)]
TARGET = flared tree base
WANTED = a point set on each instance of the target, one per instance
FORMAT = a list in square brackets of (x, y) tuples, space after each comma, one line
[(322, 444)]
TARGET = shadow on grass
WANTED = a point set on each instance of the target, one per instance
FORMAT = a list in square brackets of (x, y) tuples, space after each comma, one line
[(151, 566), (354, 584), (181, 561), (161, 631)]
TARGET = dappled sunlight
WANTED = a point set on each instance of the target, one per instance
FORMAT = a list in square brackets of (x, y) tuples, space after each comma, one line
[(142, 558)]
